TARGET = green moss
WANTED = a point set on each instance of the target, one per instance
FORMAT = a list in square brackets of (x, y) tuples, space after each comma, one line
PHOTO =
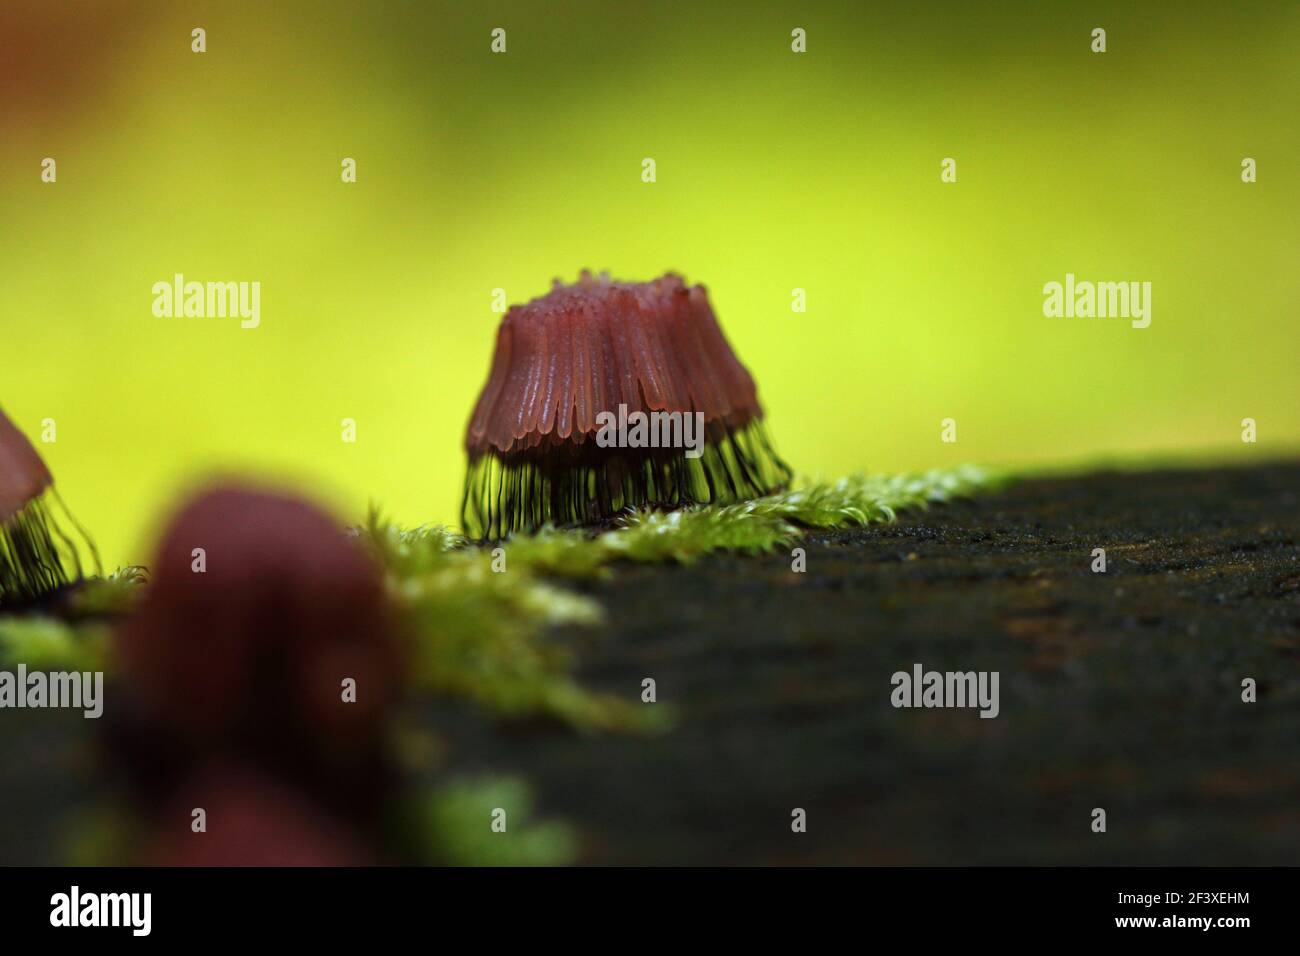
[(482, 635), (481, 618), (749, 527), (47, 643), (452, 825), (114, 594), (77, 641)]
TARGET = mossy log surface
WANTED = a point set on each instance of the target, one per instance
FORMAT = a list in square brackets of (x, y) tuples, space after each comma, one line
[(1120, 690)]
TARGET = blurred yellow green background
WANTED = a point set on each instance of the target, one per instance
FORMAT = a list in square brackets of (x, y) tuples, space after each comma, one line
[(775, 171)]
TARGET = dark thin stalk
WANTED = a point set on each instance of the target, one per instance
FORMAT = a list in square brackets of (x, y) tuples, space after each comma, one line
[(35, 553), (504, 496)]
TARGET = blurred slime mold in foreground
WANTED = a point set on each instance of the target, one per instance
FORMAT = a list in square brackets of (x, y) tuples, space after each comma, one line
[(569, 363), (251, 820), (259, 611)]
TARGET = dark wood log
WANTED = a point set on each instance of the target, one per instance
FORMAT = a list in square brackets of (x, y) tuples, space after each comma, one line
[(1120, 690)]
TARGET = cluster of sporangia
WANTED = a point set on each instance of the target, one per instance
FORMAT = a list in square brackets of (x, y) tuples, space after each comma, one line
[(600, 346), (37, 557), (257, 676)]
